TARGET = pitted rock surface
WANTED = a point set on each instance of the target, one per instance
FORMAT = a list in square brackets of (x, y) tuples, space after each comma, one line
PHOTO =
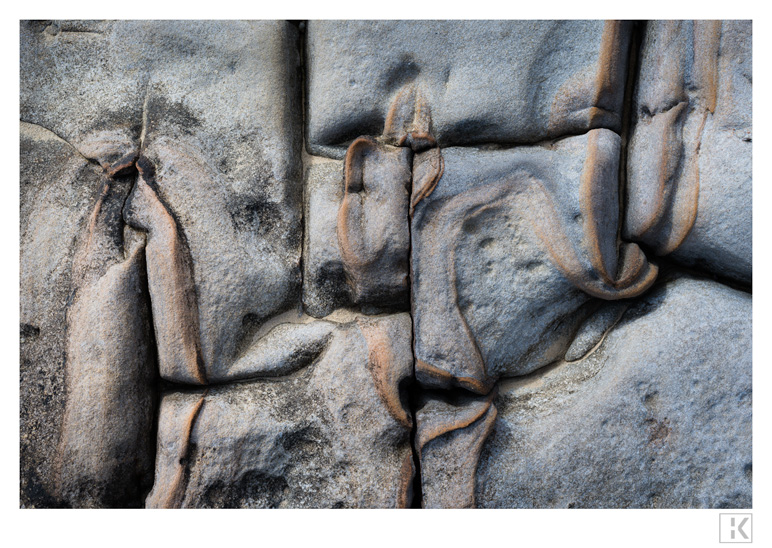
[(386, 264)]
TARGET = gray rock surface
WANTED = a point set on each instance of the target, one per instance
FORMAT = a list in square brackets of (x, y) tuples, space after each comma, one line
[(105, 453), (212, 316), (334, 434), (689, 177), (373, 229), (222, 130), (58, 190), (209, 114), (507, 251), (659, 416), (324, 278), (485, 81), (215, 108)]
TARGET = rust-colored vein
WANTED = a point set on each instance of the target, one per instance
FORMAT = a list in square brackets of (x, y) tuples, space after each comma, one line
[(546, 225), (449, 380), (352, 249), (405, 486), (386, 372), (401, 113), (470, 425), (122, 164), (176, 493), (428, 168), (610, 70), (686, 201), (470, 414), (670, 157), (707, 39), (592, 191)]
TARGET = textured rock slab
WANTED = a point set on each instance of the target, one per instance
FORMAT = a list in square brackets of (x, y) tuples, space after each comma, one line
[(658, 416), (324, 278), (373, 229), (451, 430), (215, 108), (211, 112), (507, 253), (222, 132), (333, 434), (85, 81), (689, 167), (105, 453), (57, 192), (485, 81)]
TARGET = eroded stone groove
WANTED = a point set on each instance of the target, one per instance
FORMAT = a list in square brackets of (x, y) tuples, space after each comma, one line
[(477, 286)]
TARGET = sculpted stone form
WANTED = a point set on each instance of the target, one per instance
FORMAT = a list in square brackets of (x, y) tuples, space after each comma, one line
[(657, 416), (689, 170), (332, 435), (485, 81), (455, 298)]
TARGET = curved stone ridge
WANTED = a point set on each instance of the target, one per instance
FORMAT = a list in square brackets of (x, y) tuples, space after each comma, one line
[(507, 264)]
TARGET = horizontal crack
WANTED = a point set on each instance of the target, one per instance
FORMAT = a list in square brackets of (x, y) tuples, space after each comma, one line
[(60, 138)]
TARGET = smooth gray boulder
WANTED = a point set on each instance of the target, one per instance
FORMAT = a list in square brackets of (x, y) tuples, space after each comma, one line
[(658, 416), (484, 81), (334, 434), (689, 188)]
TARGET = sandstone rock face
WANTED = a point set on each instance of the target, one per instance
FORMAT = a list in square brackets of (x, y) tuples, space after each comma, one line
[(485, 81), (332, 435), (58, 190), (540, 227), (658, 416), (689, 174), (511, 268)]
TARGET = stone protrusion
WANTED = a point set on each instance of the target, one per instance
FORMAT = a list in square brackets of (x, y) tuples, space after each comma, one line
[(170, 279), (689, 168), (451, 432), (334, 434), (105, 451), (373, 231), (540, 226)]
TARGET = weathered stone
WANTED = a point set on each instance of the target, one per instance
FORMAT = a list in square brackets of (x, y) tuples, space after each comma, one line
[(373, 229), (658, 416), (324, 278), (85, 82), (689, 165), (58, 190), (451, 431), (222, 131), (508, 251), (218, 195), (214, 106), (333, 434), (383, 180), (484, 81), (105, 453), (469, 172)]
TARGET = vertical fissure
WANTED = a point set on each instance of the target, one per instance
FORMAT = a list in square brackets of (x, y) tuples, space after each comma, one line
[(415, 389), (628, 114), (301, 76)]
